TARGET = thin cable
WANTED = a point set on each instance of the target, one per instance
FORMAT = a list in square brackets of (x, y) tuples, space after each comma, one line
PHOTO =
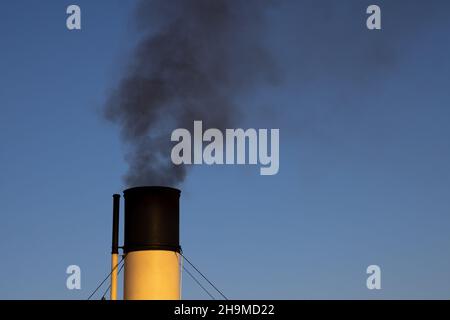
[(109, 287), (204, 277), (198, 282), (99, 286)]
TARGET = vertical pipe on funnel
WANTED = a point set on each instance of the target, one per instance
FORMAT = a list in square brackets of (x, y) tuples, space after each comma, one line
[(115, 246)]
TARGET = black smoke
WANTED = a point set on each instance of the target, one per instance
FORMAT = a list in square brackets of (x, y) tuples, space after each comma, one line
[(194, 58)]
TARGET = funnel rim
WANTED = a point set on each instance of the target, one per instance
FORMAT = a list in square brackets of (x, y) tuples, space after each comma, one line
[(151, 189)]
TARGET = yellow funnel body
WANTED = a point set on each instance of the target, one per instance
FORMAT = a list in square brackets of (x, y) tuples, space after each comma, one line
[(152, 275)]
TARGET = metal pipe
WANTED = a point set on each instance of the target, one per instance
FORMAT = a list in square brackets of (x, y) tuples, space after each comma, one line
[(115, 246)]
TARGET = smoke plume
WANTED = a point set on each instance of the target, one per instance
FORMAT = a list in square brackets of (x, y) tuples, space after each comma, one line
[(193, 59)]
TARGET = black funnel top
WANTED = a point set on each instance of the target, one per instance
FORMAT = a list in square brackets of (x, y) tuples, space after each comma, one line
[(152, 219)]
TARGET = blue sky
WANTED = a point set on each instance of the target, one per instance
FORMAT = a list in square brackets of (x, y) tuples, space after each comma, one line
[(364, 176)]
